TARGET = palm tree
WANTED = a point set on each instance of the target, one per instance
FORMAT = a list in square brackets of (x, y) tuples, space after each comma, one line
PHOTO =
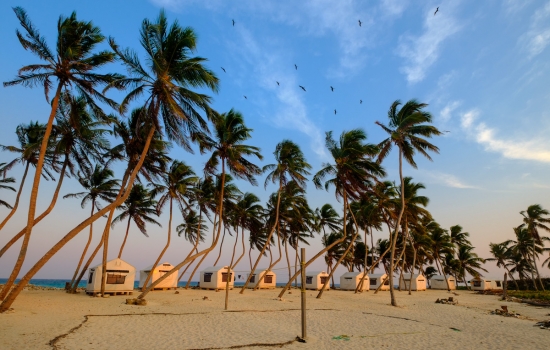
[(526, 246), (177, 185), (5, 180), (534, 219), (408, 128), (73, 66), (326, 217), (441, 246), (459, 238), (352, 172), (99, 185), (141, 208), (247, 214), (501, 254), (468, 262), (334, 253), (291, 166)]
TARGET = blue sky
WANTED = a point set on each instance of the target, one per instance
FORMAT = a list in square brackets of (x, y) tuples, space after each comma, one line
[(481, 67)]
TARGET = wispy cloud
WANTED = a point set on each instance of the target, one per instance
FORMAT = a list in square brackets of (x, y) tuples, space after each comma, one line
[(449, 180), (446, 112), (537, 38), (421, 52), (514, 6), (535, 149)]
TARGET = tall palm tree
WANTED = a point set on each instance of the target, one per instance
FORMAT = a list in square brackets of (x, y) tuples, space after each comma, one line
[(526, 246), (407, 128), (247, 215), (469, 262), (291, 165), (177, 185), (99, 185), (458, 237), (536, 218), (141, 208), (501, 253), (72, 66), (441, 246), (333, 254), (5, 180), (194, 230)]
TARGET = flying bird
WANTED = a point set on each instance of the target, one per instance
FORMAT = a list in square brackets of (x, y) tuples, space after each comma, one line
[(301, 87), (233, 22), (334, 111), (360, 102), (224, 70), (436, 11), (277, 83), (295, 66), (245, 97), (359, 23), (331, 88)]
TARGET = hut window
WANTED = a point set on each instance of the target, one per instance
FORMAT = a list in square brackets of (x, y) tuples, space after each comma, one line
[(224, 276), (253, 278), (268, 279), (387, 283), (165, 264), (119, 271), (347, 278), (309, 279), (324, 279), (373, 282), (477, 283), (420, 280), (498, 283), (208, 277), (113, 278), (91, 277)]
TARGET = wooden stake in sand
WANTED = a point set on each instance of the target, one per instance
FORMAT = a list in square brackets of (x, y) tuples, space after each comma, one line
[(303, 287)]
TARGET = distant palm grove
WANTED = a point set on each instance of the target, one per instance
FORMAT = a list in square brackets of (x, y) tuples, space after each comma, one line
[(87, 132)]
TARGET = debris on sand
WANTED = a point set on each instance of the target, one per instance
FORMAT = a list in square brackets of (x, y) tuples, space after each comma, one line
[(504, 312), (543, 324), (449, 300)]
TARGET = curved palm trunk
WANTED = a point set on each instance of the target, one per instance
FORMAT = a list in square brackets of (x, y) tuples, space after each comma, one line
[(512, 276), (165, 247), (8, 301), (413, 264), (34, 196), (221, 245), (214, 227), (86, 247), (229, 269), (536, 267), (125, 237), (203, 252), (360, 285), (17, 197), (194, 245), (272, 265), (287, 259), (268, 240), (446, 280)]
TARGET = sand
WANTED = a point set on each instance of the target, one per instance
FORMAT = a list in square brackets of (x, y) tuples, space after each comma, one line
[(185, 321)]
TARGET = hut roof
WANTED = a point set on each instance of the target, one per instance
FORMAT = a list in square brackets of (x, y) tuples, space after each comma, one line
[(215, 268)]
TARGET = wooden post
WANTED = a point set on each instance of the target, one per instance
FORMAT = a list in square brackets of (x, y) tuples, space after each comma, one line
[(505, 287), (303, 287)]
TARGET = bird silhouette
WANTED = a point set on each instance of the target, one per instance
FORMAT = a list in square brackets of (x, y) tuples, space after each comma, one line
[(334, 111), (301, 87), (360, 102), (295, 66), (331, 88), (223, 70), (277, 83), (233, 22), (436, 11), (245, 97), (359, 23)]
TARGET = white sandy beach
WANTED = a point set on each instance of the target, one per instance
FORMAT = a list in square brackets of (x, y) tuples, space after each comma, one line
[(185, 321)]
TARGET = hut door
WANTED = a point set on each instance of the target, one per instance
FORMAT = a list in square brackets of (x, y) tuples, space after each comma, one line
[(224, 276), (268, 279), (324, 280)]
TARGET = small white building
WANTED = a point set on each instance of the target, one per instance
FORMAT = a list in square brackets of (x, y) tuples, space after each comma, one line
[(438, 282), (484, 283), (316, 279), (350, 281), (418, 282), (267, 282), (215, 277), (119, 280), (160, 270), (375, 279)]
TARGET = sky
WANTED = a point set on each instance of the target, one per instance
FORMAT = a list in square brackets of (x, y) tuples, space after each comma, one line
[(480, 66)]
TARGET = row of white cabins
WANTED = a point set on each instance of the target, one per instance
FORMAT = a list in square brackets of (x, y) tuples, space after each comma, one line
[(120, 279)]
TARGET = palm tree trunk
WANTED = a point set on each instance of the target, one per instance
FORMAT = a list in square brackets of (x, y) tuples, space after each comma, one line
[(221, 245), (412, 267), (229, 269), (272, 265), (204, 252), (360, 286), (512, 276), (287, 259), (268, 240), (194, 246), (536, 267), (125, 237), (244, 249), (214, 227), (250, 257), (8, 301), (86, 247), (397, 225), (17, 197), (165, 247), (296, 258)]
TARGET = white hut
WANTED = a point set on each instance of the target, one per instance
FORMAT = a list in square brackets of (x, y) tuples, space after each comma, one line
[(316, 279), (119, 280), (484, 283), (215, 277), (267, 282), (160, 270), (350, 281), (418, 282), (438, 282), (375, 279)]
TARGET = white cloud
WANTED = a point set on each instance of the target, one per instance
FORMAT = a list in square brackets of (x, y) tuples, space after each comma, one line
[(514, 6), (537, 38), (446, 112), (535, 149), (449, 180), (421, 52)]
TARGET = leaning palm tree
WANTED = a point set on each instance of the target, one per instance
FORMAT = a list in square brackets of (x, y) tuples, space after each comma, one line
[(458, 237), (291, 165), (71, 66), (407, 129), (99, 185), (177, 186), (501, 252), (3, 181), (441, 246), (536, 218), (469, 262)]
